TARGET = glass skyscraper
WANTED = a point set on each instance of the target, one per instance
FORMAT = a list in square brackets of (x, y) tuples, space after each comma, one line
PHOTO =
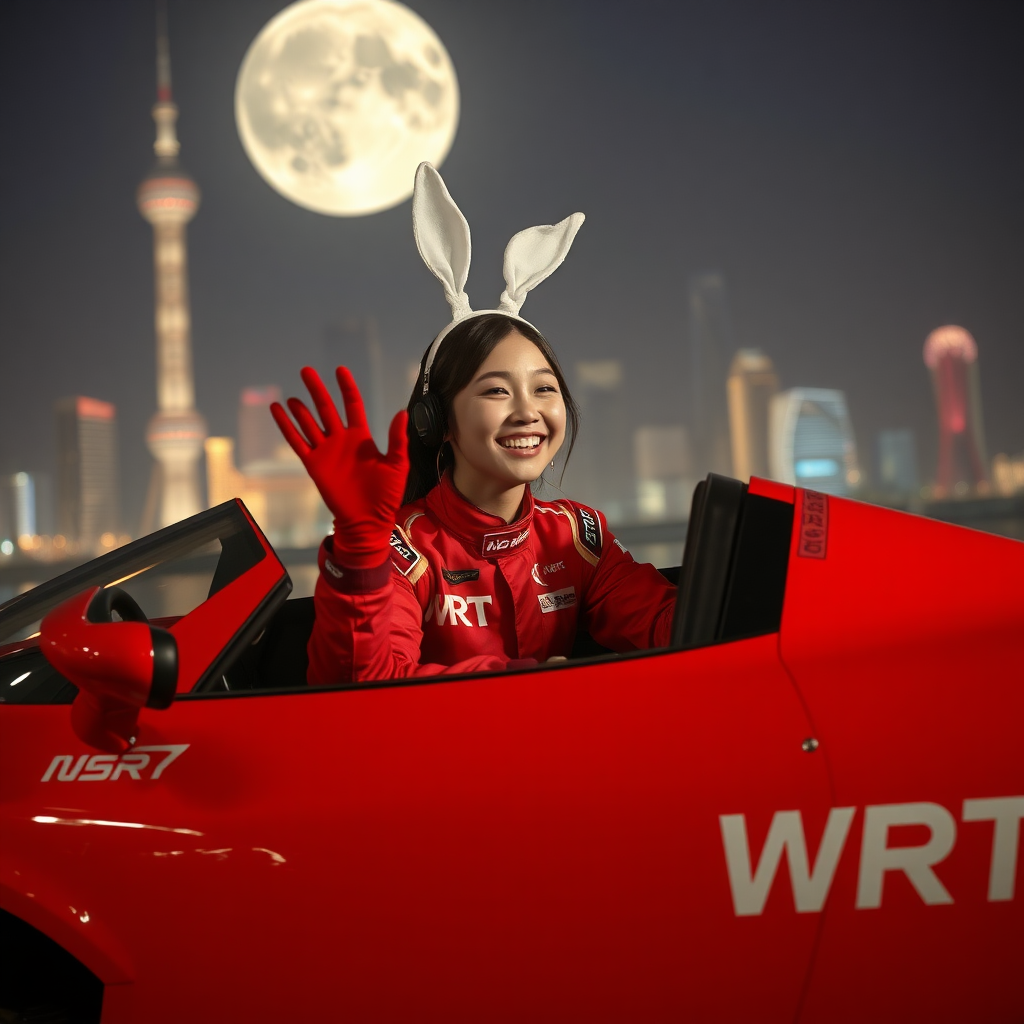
[(88, 489), (811, 441)]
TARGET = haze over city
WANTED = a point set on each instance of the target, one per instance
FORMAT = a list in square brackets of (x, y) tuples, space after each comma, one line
[(853, 171)]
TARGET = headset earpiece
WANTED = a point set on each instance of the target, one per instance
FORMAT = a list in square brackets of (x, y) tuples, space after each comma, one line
[(429, 420)]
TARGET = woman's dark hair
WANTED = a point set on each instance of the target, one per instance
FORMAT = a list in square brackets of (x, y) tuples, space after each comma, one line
[(459, 356)]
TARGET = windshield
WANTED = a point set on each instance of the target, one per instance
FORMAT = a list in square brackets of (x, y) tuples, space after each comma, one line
[(169, 573)]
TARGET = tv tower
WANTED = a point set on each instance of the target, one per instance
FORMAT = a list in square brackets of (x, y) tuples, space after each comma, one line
[(952, 356), (168, 198)]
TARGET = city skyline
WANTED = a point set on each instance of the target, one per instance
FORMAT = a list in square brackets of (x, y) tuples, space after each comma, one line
[(843, 239)]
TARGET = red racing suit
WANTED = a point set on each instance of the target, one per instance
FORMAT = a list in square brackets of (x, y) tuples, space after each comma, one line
[(464, 591)]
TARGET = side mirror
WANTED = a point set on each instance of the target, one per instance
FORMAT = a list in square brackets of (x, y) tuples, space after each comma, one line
[(118, 667)]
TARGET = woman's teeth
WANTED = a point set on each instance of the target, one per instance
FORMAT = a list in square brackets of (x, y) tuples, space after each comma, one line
[(519, 442)]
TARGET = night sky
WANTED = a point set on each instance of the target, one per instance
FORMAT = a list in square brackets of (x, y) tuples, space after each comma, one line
[(855, 170)]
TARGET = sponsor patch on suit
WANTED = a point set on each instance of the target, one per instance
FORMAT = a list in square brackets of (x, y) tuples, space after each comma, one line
[(501, 541), (556, 600), (404, 556), (456, 576), (589, 530)]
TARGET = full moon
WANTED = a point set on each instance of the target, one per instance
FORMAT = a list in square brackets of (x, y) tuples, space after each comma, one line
[(338, 101)]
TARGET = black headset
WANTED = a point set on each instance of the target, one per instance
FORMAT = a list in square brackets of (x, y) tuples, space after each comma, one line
[(430, 421), (428, 416)]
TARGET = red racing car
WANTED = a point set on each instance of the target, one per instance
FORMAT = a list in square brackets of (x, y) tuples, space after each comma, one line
[(808, 808)]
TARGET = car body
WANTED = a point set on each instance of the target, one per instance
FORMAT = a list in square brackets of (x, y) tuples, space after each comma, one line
[(807, 809)]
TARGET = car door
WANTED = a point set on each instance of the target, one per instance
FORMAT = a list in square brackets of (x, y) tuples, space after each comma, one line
[(213, 581), (905, 637)]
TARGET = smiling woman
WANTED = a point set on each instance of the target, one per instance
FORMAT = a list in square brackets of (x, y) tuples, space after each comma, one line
[(471, 573), (493, 373)]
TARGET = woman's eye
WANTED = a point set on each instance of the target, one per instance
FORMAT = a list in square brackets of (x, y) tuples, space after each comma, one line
[(495, 391)]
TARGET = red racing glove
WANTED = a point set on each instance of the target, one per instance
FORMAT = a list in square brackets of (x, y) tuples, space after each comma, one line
[(362, 488)]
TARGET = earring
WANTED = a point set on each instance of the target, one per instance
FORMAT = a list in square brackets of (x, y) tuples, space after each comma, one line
[(438, 462)]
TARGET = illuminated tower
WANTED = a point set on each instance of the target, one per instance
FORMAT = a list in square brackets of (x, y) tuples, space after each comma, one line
[(752, 383), (952, 356), (168, 199)]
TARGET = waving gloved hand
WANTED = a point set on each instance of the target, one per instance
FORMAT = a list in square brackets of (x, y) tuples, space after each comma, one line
[(361, 487)]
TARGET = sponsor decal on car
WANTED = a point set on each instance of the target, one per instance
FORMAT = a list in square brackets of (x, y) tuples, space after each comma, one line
[(810, 883), (136, 763), (557, 600), (813, 526)]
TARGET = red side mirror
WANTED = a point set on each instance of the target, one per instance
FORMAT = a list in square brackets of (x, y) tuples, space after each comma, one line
[(118, 667)]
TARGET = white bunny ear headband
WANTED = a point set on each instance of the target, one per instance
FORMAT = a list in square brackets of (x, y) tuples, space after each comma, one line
[(442, 237)]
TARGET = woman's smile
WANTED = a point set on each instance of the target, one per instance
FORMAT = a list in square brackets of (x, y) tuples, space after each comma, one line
[(521, 444)]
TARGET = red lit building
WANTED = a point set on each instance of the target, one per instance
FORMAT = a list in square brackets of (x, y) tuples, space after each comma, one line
[(952, 356)]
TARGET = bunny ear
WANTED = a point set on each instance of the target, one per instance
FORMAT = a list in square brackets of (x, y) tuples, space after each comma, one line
[(532, 255), (442, 236)]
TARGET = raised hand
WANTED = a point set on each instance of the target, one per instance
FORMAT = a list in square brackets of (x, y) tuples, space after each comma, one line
[(362, 487)]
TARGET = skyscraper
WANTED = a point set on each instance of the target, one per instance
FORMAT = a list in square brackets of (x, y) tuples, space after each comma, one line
[(88, 492), (711, 349), (277, 492), (20, 511), (952, 356), (897, 462), (168, 198), (661, 456), (355, 342), (1008, 473), (601, 468), (23, 493), (811, 440), (751, 387), (258, 436)]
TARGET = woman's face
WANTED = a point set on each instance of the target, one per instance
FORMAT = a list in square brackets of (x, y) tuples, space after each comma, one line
[(508, 423)]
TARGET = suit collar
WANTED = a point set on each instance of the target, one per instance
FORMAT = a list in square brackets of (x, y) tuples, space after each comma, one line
[(486, 534)]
